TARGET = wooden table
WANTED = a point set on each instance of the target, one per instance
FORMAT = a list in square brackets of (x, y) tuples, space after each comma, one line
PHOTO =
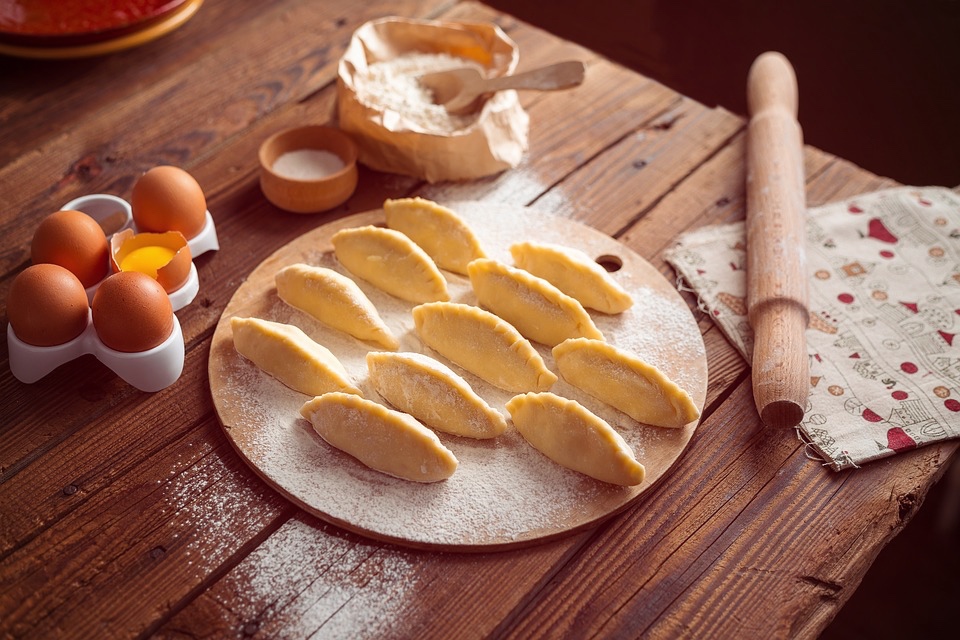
[(129, 514)]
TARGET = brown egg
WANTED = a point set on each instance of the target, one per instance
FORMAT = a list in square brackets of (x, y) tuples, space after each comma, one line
[(47, 305), (131, 312), (168, 199), (73, 240)]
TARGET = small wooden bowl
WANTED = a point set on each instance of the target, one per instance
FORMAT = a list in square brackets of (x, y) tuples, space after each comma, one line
[(308, 193)]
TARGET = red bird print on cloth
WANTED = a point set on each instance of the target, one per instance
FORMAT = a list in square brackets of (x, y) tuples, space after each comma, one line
[(878, 231), (898, 440)]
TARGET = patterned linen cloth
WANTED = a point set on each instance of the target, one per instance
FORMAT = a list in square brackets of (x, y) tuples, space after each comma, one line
[(883, 338)]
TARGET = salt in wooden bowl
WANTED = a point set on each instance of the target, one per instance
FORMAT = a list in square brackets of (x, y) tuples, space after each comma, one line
[(308, 169)]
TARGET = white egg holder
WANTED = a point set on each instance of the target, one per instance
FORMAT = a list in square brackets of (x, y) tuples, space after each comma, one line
[(103, 206), (150, 370)]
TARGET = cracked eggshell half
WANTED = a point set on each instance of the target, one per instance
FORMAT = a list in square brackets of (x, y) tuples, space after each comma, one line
[(165, 257)]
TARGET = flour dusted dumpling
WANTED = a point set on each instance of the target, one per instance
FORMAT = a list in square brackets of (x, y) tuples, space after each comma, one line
[(625, 382), (433, 394), (391, 261), (483, 344), (437, 230), (538, 310), (334, 300), (385, 440), (291, 356), (573, 272), (572, 436)]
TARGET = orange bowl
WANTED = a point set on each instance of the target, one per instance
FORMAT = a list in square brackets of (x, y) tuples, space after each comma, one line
[(308, 169)]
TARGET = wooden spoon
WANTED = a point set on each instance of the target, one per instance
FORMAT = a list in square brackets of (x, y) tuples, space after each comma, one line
[(458, 89)]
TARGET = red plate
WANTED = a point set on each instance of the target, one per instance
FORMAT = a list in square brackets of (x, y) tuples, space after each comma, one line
[(75, 22)]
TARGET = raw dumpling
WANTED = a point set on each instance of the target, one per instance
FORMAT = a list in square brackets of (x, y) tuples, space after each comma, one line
[(625, 382), (291, 356), (538, 310), (483, 344), (334, 300), (433, 394), (572, 436), (437, 230), (573, 272), (391, 261), (388, 441)]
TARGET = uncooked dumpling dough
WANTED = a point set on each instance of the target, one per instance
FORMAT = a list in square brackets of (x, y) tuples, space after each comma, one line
[(572, 436), (483, 344), (433, 394), (388, 441), (573, 272), (334, 300), (291, 356), (391, 261), (625, 382), (437, 230), (538, 310)]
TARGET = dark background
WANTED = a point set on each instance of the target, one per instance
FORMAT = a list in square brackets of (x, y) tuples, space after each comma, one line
[(879, 79), (879, 86)]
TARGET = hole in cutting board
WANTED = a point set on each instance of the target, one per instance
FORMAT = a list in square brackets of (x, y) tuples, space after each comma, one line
[(610, 263)]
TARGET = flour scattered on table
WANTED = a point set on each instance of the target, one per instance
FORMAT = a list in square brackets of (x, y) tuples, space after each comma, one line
[(340, 588)]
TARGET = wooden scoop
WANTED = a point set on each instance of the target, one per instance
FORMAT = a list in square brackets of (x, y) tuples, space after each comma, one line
[(777, 296), (458, 89)]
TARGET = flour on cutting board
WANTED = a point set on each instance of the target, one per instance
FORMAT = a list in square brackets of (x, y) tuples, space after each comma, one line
[(503, 490)]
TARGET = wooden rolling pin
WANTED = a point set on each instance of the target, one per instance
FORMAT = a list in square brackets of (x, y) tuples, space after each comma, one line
[(777, 296)]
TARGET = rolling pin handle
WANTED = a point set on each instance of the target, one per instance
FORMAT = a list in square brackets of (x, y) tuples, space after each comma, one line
[(772, 84)]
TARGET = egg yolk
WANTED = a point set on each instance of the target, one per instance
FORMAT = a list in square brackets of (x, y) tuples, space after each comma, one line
[(147, 260)]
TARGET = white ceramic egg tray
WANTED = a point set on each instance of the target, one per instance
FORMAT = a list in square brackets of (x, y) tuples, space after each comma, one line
[(150, 370), (115, 212)]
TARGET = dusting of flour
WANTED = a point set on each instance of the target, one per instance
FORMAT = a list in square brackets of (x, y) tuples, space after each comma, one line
[(297, 584), (393, 86), (504, 491)]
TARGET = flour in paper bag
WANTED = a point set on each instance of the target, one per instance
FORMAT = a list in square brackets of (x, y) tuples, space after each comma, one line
[(393, 87)]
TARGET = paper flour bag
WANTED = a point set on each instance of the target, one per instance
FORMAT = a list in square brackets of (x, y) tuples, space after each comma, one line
[(392, 117)]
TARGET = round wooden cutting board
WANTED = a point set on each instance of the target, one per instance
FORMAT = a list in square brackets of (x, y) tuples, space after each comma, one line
[(504, 493)]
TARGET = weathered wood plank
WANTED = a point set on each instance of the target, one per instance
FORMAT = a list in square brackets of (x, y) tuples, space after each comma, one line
[(229, 179), (157, 530), (250, 212), (54, 98), (229, 176), (724, 538), (557, 143), (611, 102), (93, 454), (487, 589), (308, 578), (182, 114), (210, 551), (739, 508), (642, 167)]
